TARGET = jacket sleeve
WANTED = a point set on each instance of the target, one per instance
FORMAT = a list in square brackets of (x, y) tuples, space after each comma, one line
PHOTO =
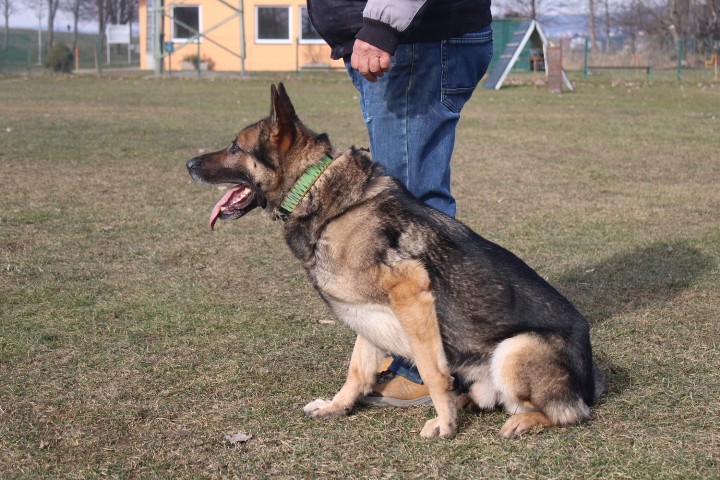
[(385, 20)]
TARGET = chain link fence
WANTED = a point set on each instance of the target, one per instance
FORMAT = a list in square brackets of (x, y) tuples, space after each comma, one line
[(15, 51), (21, 50)]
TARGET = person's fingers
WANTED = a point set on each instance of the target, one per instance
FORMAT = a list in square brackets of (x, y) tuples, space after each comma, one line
[(363, 65), (371, 62), (374, 66), (360, 63), (385, 62)]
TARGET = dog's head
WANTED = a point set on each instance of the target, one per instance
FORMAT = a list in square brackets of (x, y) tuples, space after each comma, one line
[(262, 162)]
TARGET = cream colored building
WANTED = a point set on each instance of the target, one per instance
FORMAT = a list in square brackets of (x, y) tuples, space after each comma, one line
[(272, 35)]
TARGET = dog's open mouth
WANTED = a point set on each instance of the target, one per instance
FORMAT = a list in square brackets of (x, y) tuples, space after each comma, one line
[(236, 202)]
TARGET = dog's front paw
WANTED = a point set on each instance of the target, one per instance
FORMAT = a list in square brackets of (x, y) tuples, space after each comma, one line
[(315, 405), (321, 409), (436, 428)]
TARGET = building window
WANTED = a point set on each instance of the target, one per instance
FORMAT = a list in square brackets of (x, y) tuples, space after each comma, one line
[(272, 25), (308, 34), (186, 23)]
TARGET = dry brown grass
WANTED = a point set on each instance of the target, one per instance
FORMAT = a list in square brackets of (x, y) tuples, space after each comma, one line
[(132, 340)]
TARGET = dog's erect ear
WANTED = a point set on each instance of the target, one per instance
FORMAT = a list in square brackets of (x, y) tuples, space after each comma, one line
[(282, 111), (283, 118)]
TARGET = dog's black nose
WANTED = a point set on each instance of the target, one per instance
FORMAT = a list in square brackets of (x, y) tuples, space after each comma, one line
[(193, 162)]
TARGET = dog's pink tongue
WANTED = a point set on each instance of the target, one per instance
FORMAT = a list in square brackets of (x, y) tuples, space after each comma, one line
[(221, 203)]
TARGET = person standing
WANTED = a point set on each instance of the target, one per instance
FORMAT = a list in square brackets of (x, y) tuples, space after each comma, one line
[(415, 64)]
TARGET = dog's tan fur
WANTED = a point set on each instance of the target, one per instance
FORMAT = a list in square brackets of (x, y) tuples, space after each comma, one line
[(414, 282)]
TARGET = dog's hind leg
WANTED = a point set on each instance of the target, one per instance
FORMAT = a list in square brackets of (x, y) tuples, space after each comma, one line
[(364, 362), (535, 386), (408, 286), (483, 391)]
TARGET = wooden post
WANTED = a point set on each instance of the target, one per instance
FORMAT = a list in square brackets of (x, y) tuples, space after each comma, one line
[(553, 67)]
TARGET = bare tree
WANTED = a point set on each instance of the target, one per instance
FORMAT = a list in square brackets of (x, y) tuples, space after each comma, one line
[(74, 8), (705, 17), (97, 10), (52, 11), (606, 24), (535, 9), (672, 22), (103, 14), (122, 11), (591, 23), (8, 8), (679, 18), (633, 18), (107, 12), (593, 7)]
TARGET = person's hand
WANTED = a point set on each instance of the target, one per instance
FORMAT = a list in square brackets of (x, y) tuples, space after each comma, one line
[(370, 61)]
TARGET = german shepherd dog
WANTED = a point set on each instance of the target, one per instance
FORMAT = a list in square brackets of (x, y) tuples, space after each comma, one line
[(409, 280)]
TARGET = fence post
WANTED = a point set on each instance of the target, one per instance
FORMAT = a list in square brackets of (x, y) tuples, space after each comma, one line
[(29, 58), (98, 60), (585, 59), (680, 57)]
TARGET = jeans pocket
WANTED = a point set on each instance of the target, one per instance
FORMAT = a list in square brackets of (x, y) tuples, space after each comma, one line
[(352, 73), (465, 60)]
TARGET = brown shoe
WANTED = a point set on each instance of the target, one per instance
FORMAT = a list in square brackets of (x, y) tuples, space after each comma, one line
[(393, 390)]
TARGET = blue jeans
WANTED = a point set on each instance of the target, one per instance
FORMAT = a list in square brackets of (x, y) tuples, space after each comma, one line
[(411, 114), (412, 111)]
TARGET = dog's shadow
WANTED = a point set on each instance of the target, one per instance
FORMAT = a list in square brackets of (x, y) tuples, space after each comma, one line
[(633, 280), (640, 278)]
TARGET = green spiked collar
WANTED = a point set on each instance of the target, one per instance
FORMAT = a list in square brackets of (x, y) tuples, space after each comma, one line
[(301, 187)]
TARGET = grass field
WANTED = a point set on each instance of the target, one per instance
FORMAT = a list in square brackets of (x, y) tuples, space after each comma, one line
[(132, 339)]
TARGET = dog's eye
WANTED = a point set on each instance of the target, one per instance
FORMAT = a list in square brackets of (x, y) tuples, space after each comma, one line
[(234, 148)]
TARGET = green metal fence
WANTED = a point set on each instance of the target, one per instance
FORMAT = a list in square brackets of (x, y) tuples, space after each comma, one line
[(19, 50), (15, 51)]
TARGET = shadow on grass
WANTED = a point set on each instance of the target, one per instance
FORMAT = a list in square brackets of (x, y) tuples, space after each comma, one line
[(634, 280), (630, 281)]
